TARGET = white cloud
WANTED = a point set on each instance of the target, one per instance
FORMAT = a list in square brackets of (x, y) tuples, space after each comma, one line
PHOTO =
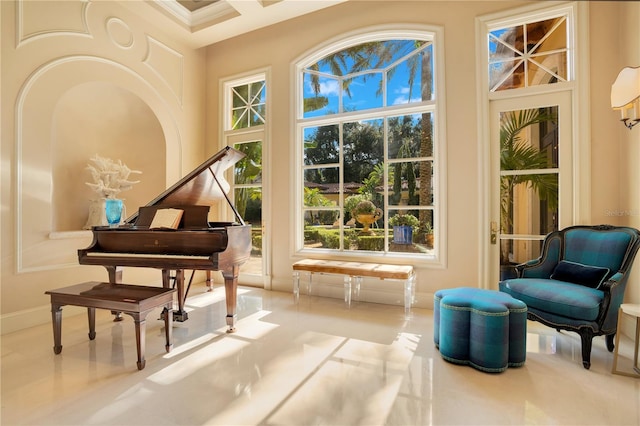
[(403, 96), (327, 88)]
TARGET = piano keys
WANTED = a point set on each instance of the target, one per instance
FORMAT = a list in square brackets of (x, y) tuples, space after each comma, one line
[(196, 244)]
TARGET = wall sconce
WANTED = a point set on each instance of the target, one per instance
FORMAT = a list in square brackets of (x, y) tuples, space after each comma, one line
[(625, 96)]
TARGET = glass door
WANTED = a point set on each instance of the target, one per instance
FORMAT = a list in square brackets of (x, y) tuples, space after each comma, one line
[(247, 198), (531, 177)]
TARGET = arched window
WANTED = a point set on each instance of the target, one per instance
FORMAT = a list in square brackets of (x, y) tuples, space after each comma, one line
[(369, 146)]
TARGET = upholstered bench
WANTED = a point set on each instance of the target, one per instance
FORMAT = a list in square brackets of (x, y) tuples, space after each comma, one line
[(480, 328)]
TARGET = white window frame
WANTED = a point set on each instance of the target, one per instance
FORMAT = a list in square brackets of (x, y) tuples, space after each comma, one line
[(378, 33)]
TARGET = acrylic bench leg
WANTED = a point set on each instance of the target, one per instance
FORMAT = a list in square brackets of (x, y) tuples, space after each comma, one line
[(358, 281), (409, 291), (309, 283), (296, 286), (347, 290)]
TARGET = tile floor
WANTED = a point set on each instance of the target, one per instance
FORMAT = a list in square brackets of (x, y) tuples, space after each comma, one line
[(313, 363)]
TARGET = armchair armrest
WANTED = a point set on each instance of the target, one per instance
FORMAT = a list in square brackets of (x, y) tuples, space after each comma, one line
[(543, 266), (535, 269), (613, 290), (609, 284)]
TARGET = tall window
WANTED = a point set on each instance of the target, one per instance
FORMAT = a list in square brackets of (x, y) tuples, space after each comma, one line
[(530, 85), (367, 146), (245, 121)]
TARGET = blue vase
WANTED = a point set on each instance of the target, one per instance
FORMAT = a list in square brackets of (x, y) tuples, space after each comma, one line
[(113, 211), (403, 234)]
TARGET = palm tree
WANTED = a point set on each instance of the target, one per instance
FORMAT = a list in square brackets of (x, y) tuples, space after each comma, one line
[(313, 198), (248, 170)]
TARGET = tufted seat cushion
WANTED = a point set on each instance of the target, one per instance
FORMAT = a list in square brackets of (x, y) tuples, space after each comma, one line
[(482, 328), (556, 297)]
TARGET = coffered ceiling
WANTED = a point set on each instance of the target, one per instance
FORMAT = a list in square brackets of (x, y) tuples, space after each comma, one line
[(203, 22)]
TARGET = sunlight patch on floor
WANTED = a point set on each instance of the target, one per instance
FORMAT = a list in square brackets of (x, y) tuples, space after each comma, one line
[(198, 359)]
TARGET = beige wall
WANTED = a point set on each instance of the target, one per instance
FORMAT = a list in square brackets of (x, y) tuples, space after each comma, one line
[(167, 88), (80, 79), (616, 178)]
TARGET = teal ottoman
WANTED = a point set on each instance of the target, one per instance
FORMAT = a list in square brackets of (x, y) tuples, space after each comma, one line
[(482, 328)]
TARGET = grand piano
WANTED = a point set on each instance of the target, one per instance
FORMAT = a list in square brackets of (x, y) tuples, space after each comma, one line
[(196, 244)]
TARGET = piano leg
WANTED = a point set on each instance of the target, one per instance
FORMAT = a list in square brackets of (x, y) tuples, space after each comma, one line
[(179, 315), (231, 293), (115, 276), (115, 273)]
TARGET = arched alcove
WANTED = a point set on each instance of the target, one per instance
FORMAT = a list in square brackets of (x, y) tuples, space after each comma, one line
[(104, 119), (84, 105)]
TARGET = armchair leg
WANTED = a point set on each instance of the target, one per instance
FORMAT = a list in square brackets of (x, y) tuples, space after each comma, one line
[(586, 336), (610, 341)]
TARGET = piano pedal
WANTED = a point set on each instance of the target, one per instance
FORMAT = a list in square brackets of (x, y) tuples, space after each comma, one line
[(180, 316)]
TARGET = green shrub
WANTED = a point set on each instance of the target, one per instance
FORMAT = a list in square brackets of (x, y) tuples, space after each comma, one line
[(371, 242), (330, 239)]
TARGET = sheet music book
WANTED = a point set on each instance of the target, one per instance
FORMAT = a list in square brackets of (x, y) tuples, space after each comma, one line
[(166, 218)]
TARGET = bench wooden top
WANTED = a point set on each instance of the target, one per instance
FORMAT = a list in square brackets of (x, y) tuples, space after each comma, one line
[(103, 295), (358, 269)]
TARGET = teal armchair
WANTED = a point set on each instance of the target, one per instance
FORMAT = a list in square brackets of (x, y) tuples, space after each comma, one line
[(578, 282)]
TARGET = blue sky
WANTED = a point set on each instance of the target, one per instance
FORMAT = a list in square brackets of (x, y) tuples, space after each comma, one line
[(365, 88)]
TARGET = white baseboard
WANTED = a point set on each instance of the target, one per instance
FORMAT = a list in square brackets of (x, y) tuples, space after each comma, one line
[(16, 321), (374, 291)]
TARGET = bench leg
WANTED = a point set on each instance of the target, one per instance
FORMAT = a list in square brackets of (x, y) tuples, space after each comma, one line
[(141, 325), (409, 291), (296, 286), (358, 281), (347, 290), (56, 316), (309, 282), (91, 314)]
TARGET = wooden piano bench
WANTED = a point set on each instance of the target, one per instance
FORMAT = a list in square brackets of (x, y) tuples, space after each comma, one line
[(354, 271), (133, 300)]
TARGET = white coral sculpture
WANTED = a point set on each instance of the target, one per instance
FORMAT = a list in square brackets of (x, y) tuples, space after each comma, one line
[(110, 177)]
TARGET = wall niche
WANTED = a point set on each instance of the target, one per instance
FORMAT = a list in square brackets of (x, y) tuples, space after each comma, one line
[(104, 119)]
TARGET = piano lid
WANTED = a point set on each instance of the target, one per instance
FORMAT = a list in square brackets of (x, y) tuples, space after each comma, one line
[(205, 185)]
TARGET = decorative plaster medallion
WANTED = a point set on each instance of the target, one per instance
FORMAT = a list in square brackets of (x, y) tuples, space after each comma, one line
[(119, 33)]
